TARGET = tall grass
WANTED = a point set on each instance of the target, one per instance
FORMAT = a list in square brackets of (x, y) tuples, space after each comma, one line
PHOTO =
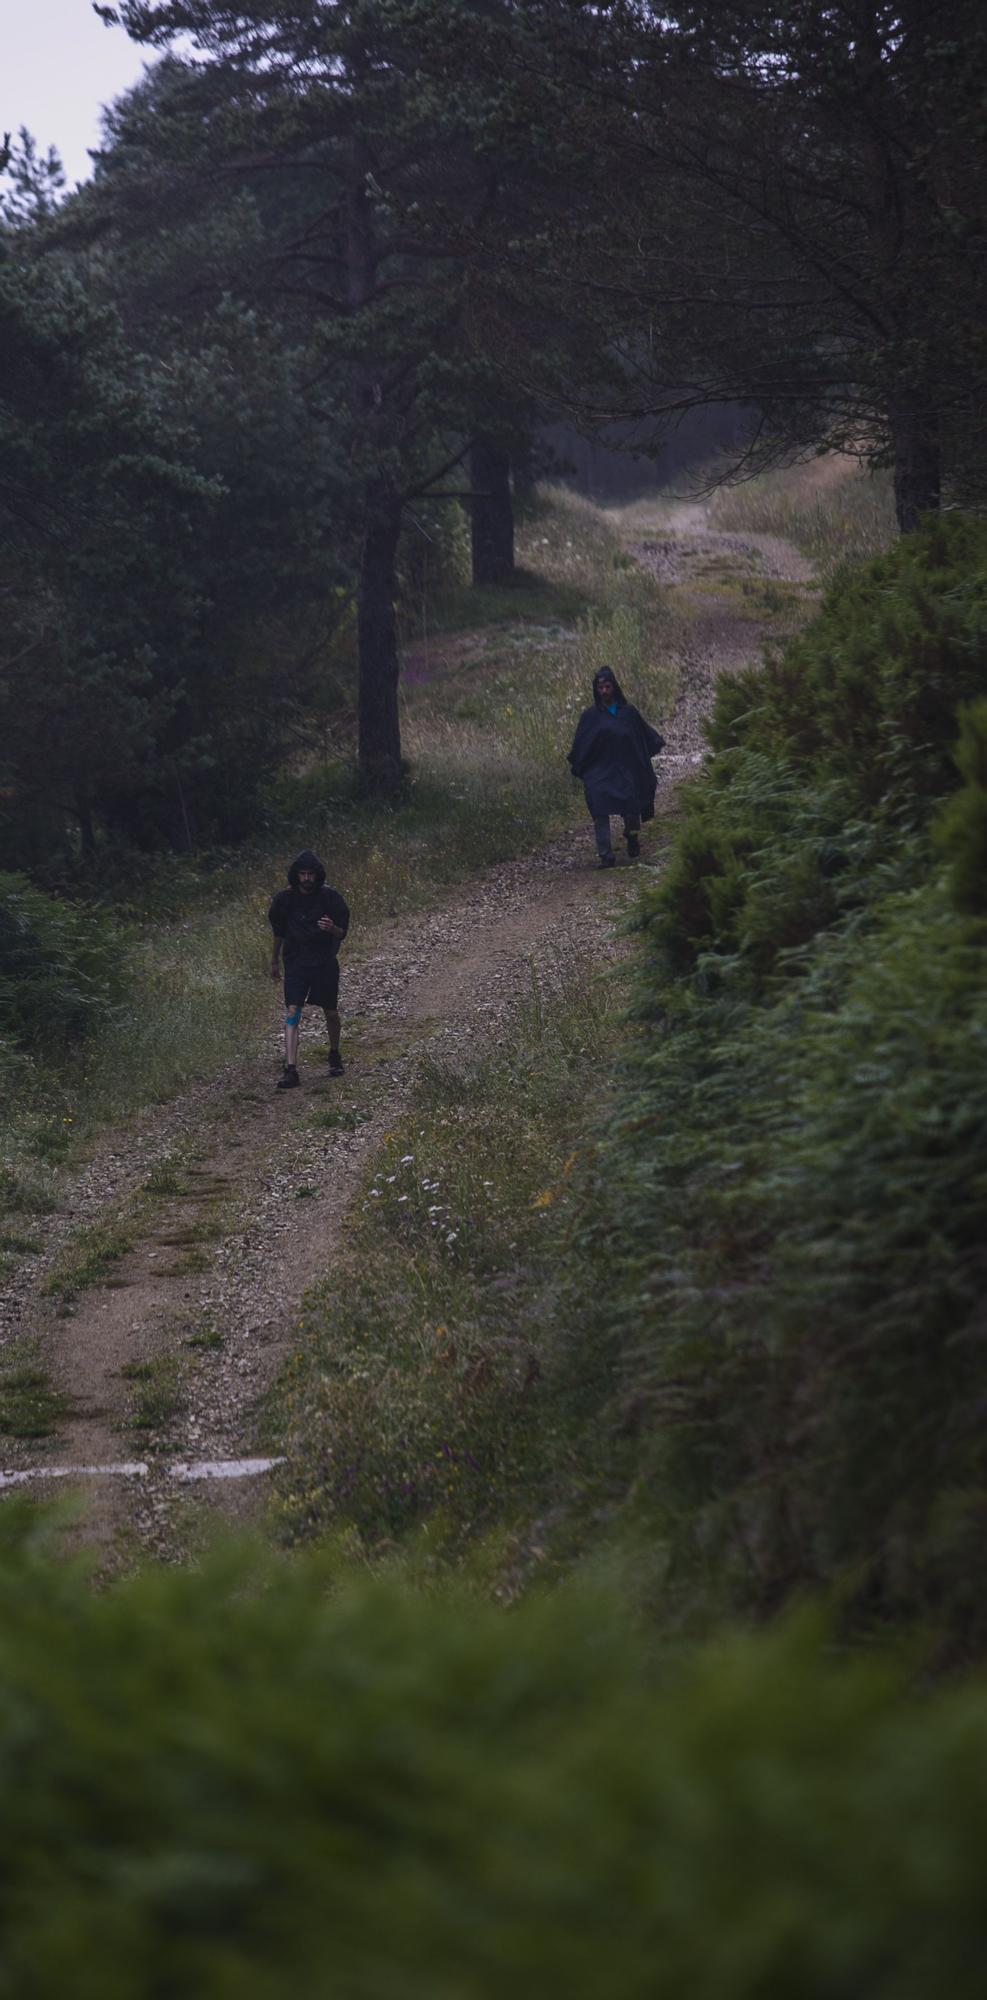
[(426, 1386), (833, 510), (520, 694)]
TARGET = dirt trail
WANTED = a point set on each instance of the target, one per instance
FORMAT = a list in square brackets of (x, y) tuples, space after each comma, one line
[(233, 1197)]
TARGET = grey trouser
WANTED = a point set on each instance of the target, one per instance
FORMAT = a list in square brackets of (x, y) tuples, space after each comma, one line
[(601, 828)]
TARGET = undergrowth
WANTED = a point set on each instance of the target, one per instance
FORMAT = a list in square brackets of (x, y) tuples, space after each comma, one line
[(832, 509), (427, 1385), (798, 1152)]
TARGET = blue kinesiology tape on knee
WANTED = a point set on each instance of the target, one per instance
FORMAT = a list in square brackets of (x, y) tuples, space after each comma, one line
[(292, 1017)]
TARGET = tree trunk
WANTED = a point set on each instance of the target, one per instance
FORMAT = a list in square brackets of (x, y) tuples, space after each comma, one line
[(915, 441), (380, 725), (492, 512)]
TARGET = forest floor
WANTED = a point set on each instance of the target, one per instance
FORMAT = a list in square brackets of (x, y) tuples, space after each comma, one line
[(166, 1296)]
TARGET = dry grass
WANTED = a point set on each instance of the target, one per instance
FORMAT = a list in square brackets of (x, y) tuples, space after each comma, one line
[(832, 509)]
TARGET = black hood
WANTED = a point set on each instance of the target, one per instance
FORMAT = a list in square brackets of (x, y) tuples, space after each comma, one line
[(618, 692), (306, 859)]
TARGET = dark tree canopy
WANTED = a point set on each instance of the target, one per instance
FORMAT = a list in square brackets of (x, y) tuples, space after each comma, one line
[(796, 202), (336, 259)]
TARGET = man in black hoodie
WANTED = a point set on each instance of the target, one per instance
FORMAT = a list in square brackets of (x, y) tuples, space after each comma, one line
[(309, 922)]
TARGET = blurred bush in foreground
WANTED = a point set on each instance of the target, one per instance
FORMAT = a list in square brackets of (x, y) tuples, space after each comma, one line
[(236, 1782)]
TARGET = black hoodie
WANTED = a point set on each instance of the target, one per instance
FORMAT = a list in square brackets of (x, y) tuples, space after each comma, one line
[(294, 916)]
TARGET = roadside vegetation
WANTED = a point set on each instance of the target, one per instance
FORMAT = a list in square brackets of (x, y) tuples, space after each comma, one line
[(797, 1153), (832, 509), (429, 1389)]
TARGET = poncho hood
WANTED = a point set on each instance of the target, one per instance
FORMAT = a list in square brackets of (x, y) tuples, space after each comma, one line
[(306, 859), (618, 695)]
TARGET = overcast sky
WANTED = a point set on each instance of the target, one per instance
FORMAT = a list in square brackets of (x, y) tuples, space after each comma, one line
[(60, 65)]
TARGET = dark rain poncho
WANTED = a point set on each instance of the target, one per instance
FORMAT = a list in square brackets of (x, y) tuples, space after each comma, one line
[(612, 754)]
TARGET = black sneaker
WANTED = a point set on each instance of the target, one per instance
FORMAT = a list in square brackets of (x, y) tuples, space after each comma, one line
[(633, 847), (608, 861), (289, 1079), (336, 1064)]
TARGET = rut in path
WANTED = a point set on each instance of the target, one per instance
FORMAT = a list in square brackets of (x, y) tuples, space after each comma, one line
[(219, 1266)]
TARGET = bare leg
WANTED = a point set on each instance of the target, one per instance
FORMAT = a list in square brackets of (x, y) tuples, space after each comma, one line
[(291, 1034), (332, 1023)]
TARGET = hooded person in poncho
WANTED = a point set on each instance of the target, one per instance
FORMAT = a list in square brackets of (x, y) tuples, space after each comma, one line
[(612, 751), (309, 921)]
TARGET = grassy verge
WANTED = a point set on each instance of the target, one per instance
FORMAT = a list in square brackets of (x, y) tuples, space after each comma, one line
[(429, 1386), (832, 509)]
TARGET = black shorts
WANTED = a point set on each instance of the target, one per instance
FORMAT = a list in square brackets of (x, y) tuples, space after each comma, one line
[(317, 985)]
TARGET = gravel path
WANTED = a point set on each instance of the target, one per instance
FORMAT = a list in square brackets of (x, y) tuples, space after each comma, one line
[(205, 1300)]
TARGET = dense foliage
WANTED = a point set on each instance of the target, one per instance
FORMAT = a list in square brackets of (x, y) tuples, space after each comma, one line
[(313, 1785), (798, 1159), (61, 966), (98, 511), (798, 194), (830, 756)]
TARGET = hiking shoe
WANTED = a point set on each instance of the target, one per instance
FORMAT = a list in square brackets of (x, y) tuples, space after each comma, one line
[(289, 1078), (633, 847), (336, 1063), (608, 861)]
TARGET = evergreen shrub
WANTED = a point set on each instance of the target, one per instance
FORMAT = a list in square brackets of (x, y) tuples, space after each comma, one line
[(261, 1779), (798, 1151), (869, 691), (961, 829), (433, 556), (827, 758), (61, 966), (804, 1213)]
